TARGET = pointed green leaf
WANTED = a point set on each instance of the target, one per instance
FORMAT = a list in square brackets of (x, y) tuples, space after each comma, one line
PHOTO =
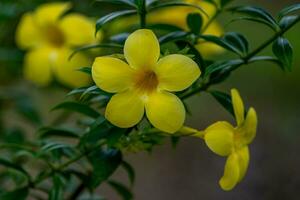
[(104, 163), (283, 50), (112, 16), (289, 10), (194, 22), (224, 99), (79, 108), (121, 189)]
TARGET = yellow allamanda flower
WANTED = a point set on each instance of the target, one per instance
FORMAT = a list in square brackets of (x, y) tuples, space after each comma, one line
[(225, 140), (144, 85), (50, 38)]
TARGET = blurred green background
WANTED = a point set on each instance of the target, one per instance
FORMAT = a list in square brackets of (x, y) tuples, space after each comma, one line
[(192, 171)]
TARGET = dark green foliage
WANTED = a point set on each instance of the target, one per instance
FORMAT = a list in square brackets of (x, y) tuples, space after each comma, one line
[(284, 52)]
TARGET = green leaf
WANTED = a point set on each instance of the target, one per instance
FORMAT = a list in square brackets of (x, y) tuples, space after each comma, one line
[(77, 91), (95, 46), (25, 107), (98, 130), (287, 21), (108, 18), (222, 65), (173, 36), (283, 50), (253, 20), (14, 166), (46, 132), (164, 27), (119, 38), (224, 99), (79, 108), (121, 189), (130, 171), (87, 70), (104, 163), (224, 3), (267, 58), (56, 192), (258, 13), (231, 41), (288, 10), (238, 41), (52, 146), (194, 22), (124, 2), (175, 141), (19, 194), (175, 4)]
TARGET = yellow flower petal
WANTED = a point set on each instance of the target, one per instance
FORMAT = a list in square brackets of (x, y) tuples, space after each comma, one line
[(142, 49), (112, 74), (66, 71), (176, 72), (165, 111), (231, 173), (238, 106), (250, 126), (125, 109), (38, 64), (219, 138), (209, 49), (78, 29), (243, 156), (27, 34), (49, 13)]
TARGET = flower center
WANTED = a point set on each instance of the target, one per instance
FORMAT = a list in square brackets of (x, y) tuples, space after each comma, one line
[(54, 36), (146, 81)]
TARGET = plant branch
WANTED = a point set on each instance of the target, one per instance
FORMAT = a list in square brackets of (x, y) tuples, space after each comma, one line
[(205, 86)]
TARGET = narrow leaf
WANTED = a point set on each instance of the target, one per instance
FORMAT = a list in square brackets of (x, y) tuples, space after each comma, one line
[(283, 50), (288, 10), (224, 99), (79, 108), (122, 190), (108, 18)]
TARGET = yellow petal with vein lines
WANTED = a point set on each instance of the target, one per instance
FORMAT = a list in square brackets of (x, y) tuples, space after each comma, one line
[(112, 74), (176, 72), (250, 126), (165, 111), (243, 155), (231, 173), (142, 49), (238, 106), (125, 109), (219, 137)]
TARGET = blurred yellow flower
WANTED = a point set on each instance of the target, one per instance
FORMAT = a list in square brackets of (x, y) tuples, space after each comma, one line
[(177, 16), (50, 38), (145, 83), (225, 140)]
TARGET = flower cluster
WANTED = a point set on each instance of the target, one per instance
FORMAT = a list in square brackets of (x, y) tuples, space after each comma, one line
[(50, 36)]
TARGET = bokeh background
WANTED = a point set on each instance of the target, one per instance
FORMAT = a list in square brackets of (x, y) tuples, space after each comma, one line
[(191, 171)]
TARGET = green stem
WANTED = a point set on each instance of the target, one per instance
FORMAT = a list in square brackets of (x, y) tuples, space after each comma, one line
[(211, 19), (142, 12), (66, 164), (246, 59)]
